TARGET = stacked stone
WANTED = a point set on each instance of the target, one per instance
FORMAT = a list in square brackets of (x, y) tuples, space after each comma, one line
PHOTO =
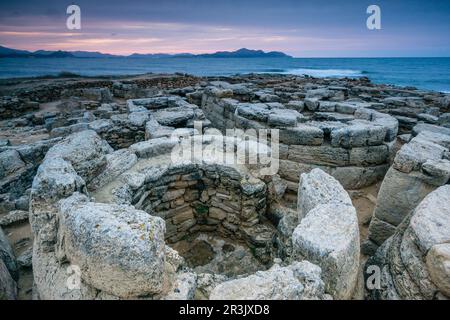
[(46, 92), (419, 167), (414, 107), (414, 263), (350, 142), (11, 107), (146, 119), (131, 90), (325, 237), (196, 198), (103, 95)]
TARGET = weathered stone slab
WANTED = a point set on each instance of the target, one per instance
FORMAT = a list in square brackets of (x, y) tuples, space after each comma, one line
[(438, 264), (358, 134), (8, 287), (321, 155), (298, 281), (153, 147), (431, 219), (329, 236), (10, 161), (302, 135), (316, 188), (399, 194), (85, 150), (429, 127), (254, 111), (119, 249)]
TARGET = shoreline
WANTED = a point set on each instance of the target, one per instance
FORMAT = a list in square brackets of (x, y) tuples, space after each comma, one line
[(69, 76), (423, 73)]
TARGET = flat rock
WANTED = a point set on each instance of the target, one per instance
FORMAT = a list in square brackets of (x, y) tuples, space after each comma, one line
[(278, 283), (153, 147)]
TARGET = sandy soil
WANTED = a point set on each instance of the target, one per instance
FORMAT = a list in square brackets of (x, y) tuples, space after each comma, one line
[(365, 201)]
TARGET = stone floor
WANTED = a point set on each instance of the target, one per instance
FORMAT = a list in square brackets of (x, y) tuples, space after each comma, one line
[(210, 253)]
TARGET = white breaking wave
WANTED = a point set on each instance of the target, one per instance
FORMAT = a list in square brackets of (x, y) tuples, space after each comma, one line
[(324, 73)]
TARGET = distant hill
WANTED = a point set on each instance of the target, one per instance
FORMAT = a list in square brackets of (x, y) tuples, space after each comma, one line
[(89, 54), (8, 52), (52, 54), (241, 53), (12, 52), (245, 53)]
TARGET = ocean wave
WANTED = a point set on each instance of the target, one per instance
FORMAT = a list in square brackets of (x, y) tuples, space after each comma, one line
[(324, 73), (274, 70)]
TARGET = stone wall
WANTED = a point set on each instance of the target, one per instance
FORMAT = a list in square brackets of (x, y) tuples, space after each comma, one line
[(351, 143), (46, 91), (11, 107), (146, 119), (205, 198), (414, 261), (419, 167)]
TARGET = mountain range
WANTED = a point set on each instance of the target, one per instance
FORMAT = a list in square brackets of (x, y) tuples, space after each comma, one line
[(241, 53)]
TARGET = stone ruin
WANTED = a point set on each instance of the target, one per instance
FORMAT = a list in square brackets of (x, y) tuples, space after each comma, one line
[(116, 214), (108, 201), (346, 140)]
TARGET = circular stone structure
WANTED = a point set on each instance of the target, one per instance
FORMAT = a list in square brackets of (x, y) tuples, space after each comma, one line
[(112, 214), (347, 140), (144, 222), (194, 197)]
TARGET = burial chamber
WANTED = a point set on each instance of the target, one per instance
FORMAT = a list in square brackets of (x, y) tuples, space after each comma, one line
[(134, 223)]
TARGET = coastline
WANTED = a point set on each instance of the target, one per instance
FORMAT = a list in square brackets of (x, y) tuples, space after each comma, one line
[(422, 73)]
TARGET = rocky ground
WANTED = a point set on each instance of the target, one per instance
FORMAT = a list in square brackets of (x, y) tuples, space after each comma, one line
[(386, 146)]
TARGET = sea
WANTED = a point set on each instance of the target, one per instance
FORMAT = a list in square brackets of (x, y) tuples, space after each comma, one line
[(422, 73)]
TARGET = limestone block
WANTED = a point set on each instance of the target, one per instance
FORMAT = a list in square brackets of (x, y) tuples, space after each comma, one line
[(298, 281), (302, 135), (119, 249), (329, 237), (318, 188)]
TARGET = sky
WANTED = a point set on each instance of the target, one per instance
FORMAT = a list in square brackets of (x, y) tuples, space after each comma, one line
[(309, 28)]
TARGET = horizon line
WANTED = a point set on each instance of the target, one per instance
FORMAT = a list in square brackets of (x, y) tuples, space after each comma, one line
[(229, 50)]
